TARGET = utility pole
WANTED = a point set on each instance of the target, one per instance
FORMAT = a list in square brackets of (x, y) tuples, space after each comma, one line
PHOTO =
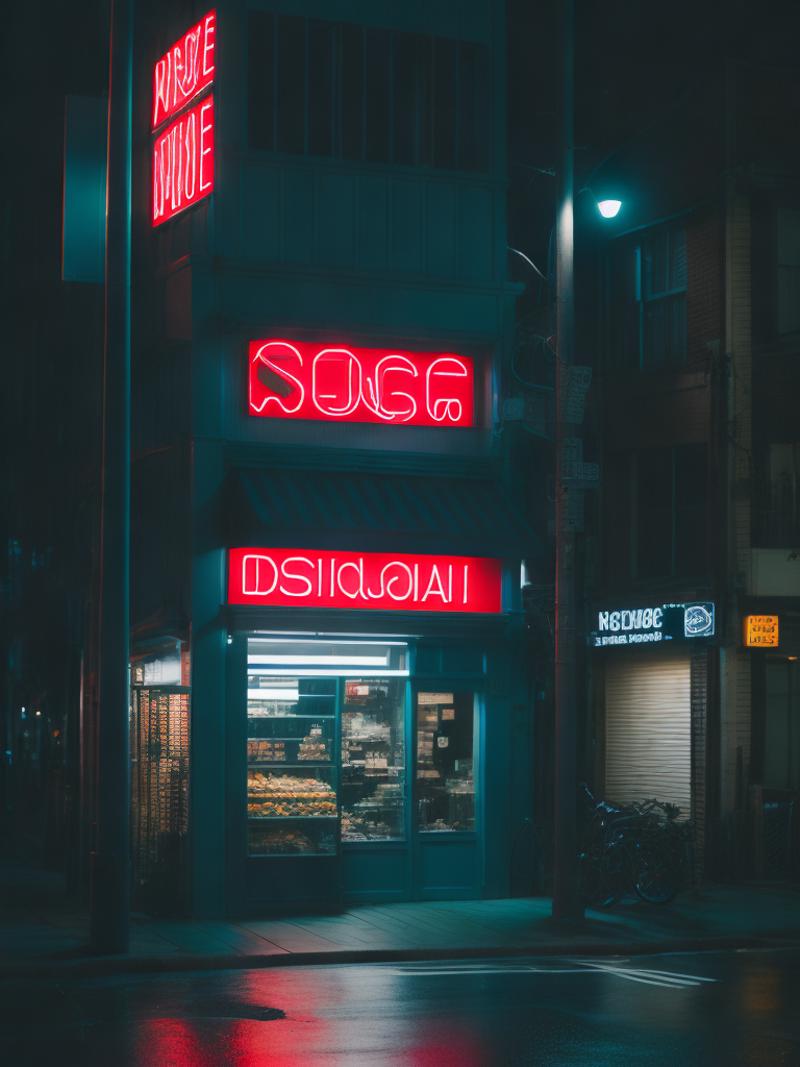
[(566, 898), (110, 859)]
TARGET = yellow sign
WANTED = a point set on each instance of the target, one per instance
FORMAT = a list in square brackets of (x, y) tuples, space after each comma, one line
[(761, 631)]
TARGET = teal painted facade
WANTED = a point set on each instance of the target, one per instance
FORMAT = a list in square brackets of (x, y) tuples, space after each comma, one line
[(328, 249)]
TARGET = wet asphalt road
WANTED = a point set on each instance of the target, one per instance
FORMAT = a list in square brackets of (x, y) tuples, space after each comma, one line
[(679, 1010)]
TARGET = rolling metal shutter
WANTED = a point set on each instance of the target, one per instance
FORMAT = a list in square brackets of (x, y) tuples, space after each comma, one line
[(648, 730)]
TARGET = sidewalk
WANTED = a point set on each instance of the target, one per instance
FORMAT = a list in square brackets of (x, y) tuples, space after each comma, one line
[(39, 934)]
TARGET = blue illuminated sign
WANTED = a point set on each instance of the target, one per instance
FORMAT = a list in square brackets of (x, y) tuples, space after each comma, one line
[(653, 625)]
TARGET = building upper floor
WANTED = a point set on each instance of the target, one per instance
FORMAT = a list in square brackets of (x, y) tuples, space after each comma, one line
[(326, 180), (323, 138)]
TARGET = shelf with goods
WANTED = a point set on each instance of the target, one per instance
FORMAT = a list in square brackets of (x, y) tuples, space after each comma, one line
[(311, 744), (291, 772), (291, 794), (373, 760)]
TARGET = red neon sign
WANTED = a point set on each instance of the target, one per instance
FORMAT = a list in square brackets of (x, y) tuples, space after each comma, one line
[(183, 162), (294, 380), (185, 70), (365, 581)]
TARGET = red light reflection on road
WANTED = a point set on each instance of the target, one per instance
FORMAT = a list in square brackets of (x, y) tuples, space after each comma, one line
[(454, 1050), (172, 1043)]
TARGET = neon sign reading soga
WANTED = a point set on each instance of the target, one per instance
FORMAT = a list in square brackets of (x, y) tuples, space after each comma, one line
[(293, 380)]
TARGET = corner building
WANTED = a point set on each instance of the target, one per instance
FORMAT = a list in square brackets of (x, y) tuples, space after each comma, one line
[(330, 702)]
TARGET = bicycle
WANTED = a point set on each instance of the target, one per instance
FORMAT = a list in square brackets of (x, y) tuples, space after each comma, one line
[(640, 848)]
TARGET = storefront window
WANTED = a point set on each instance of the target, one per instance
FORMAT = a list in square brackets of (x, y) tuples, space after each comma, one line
[(445, 778), (160, 702), (373, 759), (291, 782), (297, 688)]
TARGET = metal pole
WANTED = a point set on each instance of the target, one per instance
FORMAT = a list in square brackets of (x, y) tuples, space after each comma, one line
[(566, 902), (110, 859)]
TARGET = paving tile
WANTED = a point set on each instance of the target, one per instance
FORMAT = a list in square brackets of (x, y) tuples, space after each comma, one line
[(198, 937), (291, 937)]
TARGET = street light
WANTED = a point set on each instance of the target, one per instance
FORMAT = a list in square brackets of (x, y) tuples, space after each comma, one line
[(567, 905), (609, 209)]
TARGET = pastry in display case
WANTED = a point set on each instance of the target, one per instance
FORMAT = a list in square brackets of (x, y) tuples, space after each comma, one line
[(373, 759), (287, 795)]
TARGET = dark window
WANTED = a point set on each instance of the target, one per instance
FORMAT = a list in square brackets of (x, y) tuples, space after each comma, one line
[(788, 248), (648, 286), (261, 81), (780, 496), (444, 103), (670, 493), (291, 64), (351, 92), (404, 97), (473, 120), (664, 298), (654, 513), (378, 94), (690, 509), (321, 98)]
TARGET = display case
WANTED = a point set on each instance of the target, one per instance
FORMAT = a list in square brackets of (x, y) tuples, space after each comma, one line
[(445, 778), (292, 801), (373, 759)]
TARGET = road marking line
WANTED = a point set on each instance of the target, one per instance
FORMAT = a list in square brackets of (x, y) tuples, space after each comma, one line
[(664, 979), (667, 979)]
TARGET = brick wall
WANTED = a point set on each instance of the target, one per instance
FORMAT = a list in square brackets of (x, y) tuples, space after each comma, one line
[(705, 287)]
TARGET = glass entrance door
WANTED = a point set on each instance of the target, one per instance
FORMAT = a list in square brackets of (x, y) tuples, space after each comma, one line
[(447, 854), (445, 762)]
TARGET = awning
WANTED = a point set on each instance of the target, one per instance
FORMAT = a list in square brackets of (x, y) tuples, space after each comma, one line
[(374, 512)]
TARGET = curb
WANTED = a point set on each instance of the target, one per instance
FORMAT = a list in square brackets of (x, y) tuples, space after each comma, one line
[(118, 965)]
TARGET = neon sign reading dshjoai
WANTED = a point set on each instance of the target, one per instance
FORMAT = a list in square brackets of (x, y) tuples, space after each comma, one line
[(185, 70), (337, 383), (372, 581)]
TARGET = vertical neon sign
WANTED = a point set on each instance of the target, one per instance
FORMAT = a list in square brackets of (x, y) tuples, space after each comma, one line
[(183, 152)]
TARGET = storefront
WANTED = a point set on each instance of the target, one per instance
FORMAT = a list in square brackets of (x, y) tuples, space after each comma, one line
[(651, 671), (360, 781), (368, 765)]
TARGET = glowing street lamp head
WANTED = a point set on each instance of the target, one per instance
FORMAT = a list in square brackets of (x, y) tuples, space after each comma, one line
[(609, 209)]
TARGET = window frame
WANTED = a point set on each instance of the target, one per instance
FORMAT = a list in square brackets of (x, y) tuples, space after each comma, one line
[(466, 158), (641, 298), (675, 569)]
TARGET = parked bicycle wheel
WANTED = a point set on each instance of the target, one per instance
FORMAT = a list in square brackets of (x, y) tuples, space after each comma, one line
[(660, 866), (605, 871)]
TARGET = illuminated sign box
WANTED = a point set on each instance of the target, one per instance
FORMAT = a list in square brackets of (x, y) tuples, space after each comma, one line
[(761, 631), (183, 162), (185, 70), (365, 581), (653, 625), (338, 383)]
